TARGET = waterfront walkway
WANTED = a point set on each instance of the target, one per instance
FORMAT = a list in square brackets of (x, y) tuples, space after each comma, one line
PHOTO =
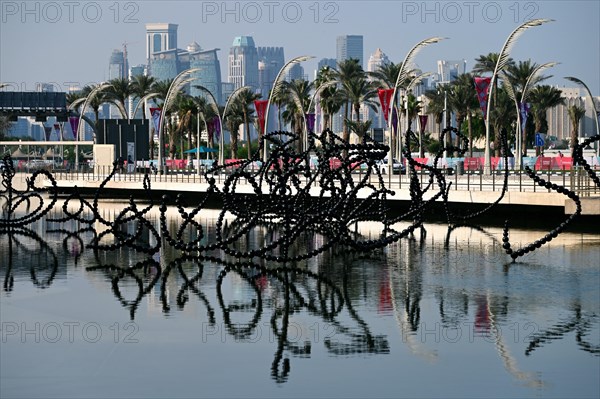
[(468, 188)]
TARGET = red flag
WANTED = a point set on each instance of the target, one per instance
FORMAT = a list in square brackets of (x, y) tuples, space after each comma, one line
[(482, 86), (385, 95), (261, 109)]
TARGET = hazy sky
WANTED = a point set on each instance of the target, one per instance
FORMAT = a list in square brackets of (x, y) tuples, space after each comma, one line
[(68, 42)]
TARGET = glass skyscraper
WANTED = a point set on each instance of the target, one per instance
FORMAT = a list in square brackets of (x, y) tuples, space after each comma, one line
[(243, 63), (350, 46)]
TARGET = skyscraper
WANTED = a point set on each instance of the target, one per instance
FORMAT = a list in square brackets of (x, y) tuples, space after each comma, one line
[(243, 63), (209, 75), (161, 50), (448, 70), (271, 60), (117, 66), (295, 72), (376, 60), (136, 70), (350, 46)]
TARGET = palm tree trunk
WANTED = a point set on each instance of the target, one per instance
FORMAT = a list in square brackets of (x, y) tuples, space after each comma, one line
[(470, 134)]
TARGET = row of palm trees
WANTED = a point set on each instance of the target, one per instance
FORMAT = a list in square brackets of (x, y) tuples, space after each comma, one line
[(347, 88)]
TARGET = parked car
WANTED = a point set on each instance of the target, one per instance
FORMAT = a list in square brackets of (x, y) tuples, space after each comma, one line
[(397, 167)]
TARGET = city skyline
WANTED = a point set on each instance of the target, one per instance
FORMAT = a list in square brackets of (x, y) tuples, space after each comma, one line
[(472, 30)]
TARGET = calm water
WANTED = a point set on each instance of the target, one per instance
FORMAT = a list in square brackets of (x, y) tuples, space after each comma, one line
[(441, 314)]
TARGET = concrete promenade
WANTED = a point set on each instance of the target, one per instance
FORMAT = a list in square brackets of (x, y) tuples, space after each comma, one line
[(465, 189)]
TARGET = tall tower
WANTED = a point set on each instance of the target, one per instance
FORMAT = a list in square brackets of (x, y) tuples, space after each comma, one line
[(243, 63), (271, 60), (117, 68), (161, 50), (350, 46), (160, 37), (376, 60)]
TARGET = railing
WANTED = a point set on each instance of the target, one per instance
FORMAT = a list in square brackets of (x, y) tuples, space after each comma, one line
[(518, 181)]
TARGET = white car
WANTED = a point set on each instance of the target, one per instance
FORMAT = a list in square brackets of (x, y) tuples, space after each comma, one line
[(397, 167)]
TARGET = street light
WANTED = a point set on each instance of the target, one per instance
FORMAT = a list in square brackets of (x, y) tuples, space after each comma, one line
[(179, 81), (503, 58), (596, 115)]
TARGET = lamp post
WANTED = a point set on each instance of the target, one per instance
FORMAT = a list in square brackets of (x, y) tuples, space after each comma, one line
[(276, 86), (177, 83), (503, 58), (596, 115)]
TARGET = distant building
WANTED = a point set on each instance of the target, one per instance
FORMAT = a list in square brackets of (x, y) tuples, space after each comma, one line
[(243, 63), (44, 87), (117, 69), (376, 61), (350, 46), (448, 70), (270, 62), (137, 70), (226, 90), (559, 123), (295, 72), (160, 37), (209, 75), (327, 62)]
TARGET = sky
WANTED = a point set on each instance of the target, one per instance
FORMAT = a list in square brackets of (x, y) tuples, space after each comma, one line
[(69, 42)]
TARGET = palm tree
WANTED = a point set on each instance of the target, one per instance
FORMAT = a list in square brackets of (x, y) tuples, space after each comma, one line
[(119, 91), (463, 100), (246, 102), (347, 71), (186, 109), (501, 117), (435, 105), (298, 102), (360, 128), (576, 112), (386, 75), (141, 86), (330, 99), (519, 74), (543, 98), (360, 91), (95, 103), (162, 88), (233, 119)]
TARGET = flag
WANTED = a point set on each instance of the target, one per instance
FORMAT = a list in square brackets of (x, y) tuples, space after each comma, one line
[(423, 122), (48, 131), (74, 122), (482, 86), (216, 126), (156, 114), (385, 95), (261, 109), (310, 122), (524, 110)]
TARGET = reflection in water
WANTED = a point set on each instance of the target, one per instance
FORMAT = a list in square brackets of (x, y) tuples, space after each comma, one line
[(456, 277)]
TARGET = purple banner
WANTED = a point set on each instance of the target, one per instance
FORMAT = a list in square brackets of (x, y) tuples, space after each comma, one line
[(423, 122), (48, 131), (524, 110), (74, 122), (310, 122)]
